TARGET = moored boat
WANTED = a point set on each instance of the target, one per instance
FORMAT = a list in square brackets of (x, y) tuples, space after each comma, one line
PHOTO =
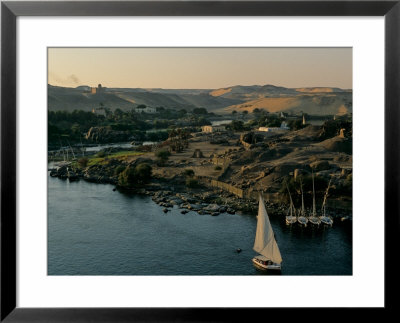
[(327, 220), (313, 217), (290, 219), (302, 219)]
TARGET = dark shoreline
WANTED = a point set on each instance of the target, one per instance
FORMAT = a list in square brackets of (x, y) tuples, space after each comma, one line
[(203, 200)]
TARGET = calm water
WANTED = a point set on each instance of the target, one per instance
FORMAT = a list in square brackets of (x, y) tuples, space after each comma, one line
[(95, 231)]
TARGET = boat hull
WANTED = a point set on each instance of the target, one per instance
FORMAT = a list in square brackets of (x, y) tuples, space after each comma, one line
[(291, 220), (302, 221), (262, 266), (326, 221), (314, 220)]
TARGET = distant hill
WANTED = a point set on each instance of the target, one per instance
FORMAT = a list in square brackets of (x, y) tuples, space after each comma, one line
[(315, 100), (321, 104)]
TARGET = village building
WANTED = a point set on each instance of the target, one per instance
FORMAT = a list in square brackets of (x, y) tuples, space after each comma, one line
[(219, 128), (145, 110), (97, 90), (283, 128), (99, 111)]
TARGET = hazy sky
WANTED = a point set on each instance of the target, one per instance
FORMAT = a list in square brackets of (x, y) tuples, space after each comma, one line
[(200, 68)]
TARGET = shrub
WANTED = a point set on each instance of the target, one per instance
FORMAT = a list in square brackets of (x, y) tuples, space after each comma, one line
[(132, 176), (189, 172), (200, 111), (83, 161), (192, 182), (127, 177), (162, 156), (101, 154), (143, 173), (119, 169)]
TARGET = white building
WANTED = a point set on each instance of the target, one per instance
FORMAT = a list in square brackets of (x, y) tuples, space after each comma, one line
[(146, 110), (283, 128), (99, 111), (213, 128)]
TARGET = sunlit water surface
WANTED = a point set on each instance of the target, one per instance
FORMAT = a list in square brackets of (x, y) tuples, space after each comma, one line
[(93, 230)]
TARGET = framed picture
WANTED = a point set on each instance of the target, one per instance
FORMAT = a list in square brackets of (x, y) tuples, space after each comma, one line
[(140, 139)]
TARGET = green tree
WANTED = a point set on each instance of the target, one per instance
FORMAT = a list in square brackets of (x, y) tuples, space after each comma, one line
[(162, 157), (179, 139), (143, 173), (236, 125), (134, 176), (200, 111), (127, 177), (119, 169)]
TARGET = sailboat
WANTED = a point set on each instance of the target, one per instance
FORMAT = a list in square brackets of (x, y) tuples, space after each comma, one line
[(265, 244), (313, 217), (324, 218), (290, 219), (302, 219)]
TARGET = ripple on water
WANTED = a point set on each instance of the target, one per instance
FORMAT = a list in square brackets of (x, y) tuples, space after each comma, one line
[(95, 231)]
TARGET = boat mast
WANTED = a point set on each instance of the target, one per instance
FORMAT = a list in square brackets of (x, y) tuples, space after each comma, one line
[(82, 149), (325, 198), (61, 148), (313, 211), (71, 149), (302, 197), (291, 202)]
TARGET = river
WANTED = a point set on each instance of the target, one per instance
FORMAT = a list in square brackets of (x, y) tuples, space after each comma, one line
[(93, 230)]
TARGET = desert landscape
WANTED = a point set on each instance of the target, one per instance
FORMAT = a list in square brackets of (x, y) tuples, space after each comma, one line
[(200, 161), (236, 159), (315, 101)]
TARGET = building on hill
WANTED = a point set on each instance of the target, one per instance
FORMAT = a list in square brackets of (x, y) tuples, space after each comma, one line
[(97, 90), (145, 110), (99, 111), (219, 128), (283, 128)]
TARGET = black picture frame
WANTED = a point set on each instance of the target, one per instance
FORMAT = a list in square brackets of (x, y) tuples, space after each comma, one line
[(10, 10)]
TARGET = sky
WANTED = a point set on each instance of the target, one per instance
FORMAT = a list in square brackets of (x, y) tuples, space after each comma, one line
[(200, 68)]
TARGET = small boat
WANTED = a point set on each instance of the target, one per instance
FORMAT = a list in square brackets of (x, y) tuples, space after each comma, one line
[(313, 217), (290, 219), (269, 257), (302, 219), (327, 220)]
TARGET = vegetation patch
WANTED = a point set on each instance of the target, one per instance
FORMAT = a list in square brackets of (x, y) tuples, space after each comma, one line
[(104, 159), (134, 176)]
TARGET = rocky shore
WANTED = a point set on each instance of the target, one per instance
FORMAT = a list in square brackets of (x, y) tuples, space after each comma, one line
[(227, 170), (174, 194)]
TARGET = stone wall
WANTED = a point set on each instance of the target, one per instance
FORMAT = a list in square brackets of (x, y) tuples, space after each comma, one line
[(226, 187)]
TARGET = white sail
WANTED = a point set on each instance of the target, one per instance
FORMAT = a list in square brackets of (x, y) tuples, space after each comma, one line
[(265, 242)]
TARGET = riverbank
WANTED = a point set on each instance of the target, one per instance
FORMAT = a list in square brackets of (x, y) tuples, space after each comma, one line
[(174, 193), (221, 171)]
